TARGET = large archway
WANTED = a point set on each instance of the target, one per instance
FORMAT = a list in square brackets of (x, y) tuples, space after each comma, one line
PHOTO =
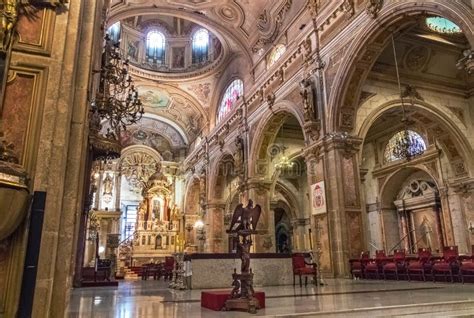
[(279, 181), (393, 19)]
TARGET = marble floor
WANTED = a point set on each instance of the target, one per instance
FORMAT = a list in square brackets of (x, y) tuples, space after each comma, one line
[(337, 298)]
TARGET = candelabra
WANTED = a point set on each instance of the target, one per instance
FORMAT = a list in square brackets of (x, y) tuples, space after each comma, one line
[(117, 98)]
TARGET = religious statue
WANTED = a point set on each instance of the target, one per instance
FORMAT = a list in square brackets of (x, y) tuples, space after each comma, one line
[(156, 210), (239, 158), (9, 18), (426, 231), (243, 224), (306, 92), (108, 185)]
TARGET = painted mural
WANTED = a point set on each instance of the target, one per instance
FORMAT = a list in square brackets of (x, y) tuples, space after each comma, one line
[(154, 97)]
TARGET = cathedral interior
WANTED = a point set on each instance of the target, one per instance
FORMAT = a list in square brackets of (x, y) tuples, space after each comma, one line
[(133, 130)]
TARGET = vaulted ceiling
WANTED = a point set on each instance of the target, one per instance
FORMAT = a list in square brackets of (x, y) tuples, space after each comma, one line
[(186, 98)]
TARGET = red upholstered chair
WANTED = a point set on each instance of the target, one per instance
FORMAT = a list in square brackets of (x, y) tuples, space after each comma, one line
[(358, 265), (422, 265), (467, 266), (448, 265), (302, 268), (375, 266), (168, 267), (397, 266)]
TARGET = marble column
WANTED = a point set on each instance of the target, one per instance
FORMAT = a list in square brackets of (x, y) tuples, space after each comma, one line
[(259, 193), (216, 240), (118, 186), (338, 233)]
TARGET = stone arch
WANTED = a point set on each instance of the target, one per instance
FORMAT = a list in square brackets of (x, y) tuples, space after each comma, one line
[(366, 47), (193, 185), (446, 129), (287, 191), (222, 167), (396, 179), (265, 134), (144, 149)]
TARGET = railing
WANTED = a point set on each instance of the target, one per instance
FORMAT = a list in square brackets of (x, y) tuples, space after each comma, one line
[(164, 67)]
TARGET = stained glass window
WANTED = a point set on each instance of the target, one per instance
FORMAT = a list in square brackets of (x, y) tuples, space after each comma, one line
[(114, 32), (155, 46), (276, 53), (232, 94), (200, 45), (442, 25), (404, 144)]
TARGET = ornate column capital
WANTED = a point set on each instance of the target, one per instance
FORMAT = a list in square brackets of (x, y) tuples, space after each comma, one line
[(349, 145), (464, 187), (216, 205), (259, 185)]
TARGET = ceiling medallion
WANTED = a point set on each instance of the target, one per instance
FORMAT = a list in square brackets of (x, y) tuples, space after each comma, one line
[(417, 58), (227, 13)]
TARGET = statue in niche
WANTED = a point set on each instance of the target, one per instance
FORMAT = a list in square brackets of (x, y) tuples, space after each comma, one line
[(426, 230), (158, 242), (108, 185), (156, 210), (306, 93), (239, 156)]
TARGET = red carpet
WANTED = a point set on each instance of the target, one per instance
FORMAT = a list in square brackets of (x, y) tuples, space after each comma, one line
[(215, 299)]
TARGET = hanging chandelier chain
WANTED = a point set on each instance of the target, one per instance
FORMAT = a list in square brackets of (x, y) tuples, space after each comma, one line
[(398, 79), (406, 145), (117, 97)]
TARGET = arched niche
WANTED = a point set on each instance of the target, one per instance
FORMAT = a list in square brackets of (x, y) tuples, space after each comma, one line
[(286, 120), (411, 212)]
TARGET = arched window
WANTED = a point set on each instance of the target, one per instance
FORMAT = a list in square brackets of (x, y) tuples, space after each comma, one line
[(276, 53), (231, 95), (155, 47), (442, 25), (200, 46), (114, 32), (404, 144)]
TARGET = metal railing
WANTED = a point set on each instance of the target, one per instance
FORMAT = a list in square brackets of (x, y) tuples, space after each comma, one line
[(162, 66)]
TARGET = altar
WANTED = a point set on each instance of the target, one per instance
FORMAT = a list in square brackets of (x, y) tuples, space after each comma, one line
[(214, 270)]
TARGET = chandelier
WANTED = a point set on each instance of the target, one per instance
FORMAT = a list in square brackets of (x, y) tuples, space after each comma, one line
[(284, 162), (407, 143), (117, 98)]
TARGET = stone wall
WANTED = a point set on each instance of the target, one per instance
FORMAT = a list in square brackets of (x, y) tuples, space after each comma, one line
[(217, 272)]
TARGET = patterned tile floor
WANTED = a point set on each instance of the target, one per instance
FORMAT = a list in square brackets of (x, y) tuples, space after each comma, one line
[(338, 298)]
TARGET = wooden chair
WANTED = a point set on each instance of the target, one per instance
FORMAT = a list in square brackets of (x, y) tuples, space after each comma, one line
[(302, 268), (358, 265), (168, 267), (397, 266), (422, 265), (467, 266), (375, 266), (448, 265)]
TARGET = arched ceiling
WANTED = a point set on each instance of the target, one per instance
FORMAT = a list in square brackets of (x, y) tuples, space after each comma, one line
[(174, 104)]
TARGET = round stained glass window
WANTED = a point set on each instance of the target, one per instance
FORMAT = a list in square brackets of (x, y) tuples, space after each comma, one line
[(442, 25)]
